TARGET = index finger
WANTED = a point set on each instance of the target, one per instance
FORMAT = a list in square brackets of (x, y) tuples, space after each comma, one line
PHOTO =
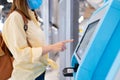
[(68, 41)]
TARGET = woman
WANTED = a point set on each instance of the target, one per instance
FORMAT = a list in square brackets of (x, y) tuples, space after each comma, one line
[(28, 47)]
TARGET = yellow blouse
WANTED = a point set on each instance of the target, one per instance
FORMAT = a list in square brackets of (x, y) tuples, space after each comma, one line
[(29, 62)]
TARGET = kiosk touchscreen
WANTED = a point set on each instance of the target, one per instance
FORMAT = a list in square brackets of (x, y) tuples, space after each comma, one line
[(86, 39), (97, 53)]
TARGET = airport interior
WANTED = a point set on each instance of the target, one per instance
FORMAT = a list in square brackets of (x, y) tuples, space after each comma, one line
[(94, 25)]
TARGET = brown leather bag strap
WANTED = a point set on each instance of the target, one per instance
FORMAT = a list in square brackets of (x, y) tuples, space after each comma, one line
[(1, 50), (25, 23), (24, 19)]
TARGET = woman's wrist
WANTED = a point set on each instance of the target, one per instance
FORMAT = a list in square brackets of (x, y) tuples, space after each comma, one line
[(46, 49)]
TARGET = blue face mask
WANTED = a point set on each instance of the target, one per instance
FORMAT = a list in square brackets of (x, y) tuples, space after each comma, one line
[(34, 4)]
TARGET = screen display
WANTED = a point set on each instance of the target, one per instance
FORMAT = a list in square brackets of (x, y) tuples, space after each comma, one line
[(86, 38)]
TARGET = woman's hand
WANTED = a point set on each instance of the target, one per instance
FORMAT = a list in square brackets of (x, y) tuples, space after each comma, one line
[(60, 46), (57, 47)]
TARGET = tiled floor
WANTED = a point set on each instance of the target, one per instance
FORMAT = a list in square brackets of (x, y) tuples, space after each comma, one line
[(54, 74)]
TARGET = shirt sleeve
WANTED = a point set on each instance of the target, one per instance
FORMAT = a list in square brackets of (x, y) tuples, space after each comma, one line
[(16, 40)]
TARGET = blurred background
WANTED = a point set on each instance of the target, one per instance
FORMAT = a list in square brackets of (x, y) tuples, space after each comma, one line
[(61, 20)]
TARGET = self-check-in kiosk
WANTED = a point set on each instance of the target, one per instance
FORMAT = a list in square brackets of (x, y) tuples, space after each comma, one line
[(97, 55)]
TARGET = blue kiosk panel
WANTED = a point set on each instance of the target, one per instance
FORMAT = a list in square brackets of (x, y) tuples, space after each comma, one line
[(100, 45)]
